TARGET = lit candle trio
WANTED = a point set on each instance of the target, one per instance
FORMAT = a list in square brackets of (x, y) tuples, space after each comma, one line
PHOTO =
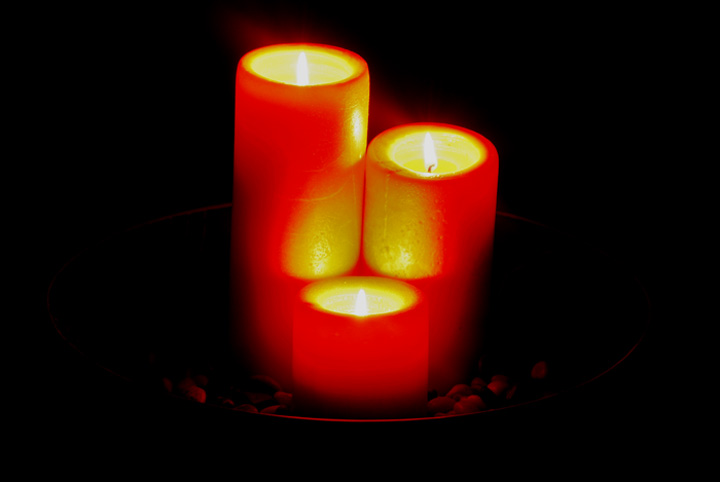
[(310, 198)]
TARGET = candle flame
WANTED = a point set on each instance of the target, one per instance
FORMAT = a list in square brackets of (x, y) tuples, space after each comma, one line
[(429, 153), (301, 70), (361, 304)]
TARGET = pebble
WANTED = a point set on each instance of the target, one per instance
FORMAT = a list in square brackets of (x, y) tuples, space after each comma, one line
[(195, 393), (539, 371), (458, 391), (188, 389), (477, 385), (237, 395), (185, 384), (276, 409), (167, 384), (262, 394), (246, 407), (270, 409), (200, 380), (470, 404), (510, 392), (283, 398), (440, 405), (498, 386), (499, 378), (265, 384), (256, 398)]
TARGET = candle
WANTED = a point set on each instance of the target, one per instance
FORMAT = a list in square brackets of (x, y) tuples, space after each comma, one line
[(429, 219), (300, 137), (360, 349)]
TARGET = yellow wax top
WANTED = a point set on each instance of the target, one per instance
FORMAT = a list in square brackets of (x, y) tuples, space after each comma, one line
[(325, 64), (340, 295), (457, 150)]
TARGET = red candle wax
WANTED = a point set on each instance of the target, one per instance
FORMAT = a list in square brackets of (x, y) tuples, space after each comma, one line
[(430, 204), (300, 137), (360, 349)]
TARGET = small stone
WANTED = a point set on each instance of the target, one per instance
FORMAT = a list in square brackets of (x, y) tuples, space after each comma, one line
[(200, 380), (237, 397), (491, 400), (539, 370), (470, 404), (256, 397), (266, 403), (265, 384), (440, 404), (498, 377), (498, 386), (458, 391), (167, 384), (477, 384), (510, 392), (283, 398), (246, 407), (195, 393), (271, 409), (185, 384)]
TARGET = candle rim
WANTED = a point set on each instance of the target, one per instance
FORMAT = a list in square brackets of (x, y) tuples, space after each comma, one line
[(379, 149), (357, 282), (357, 64)]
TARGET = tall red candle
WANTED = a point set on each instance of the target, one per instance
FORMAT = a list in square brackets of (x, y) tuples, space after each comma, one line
[(429, 219), (300, 136), (360, 349)]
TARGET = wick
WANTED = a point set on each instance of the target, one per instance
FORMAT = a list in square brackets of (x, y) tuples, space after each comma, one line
[(429, 158)]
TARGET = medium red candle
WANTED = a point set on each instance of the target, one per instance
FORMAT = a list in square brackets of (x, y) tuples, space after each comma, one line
[(300, 137), (360, 349), (429, 219)]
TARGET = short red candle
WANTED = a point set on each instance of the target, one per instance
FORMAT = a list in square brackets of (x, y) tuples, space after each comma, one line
[(300, 137), (430, 205), (360, 363)]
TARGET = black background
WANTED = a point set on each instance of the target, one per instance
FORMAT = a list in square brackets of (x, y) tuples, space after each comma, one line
[(129, 115)]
